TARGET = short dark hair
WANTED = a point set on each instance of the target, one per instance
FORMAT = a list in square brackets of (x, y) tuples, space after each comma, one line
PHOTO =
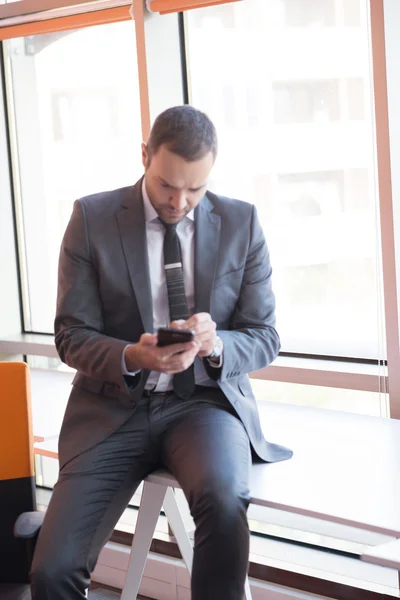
[(185, 131)]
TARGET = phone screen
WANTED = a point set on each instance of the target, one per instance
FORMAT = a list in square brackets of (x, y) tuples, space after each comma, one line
[(170, 335)]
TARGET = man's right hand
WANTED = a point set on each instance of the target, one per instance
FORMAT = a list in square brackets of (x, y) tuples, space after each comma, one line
[(171, 359)]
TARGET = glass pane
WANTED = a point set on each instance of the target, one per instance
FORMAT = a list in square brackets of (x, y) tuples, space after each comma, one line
[(50, 363), (77, 120), (354, 401), (50, 382), (46, 471), (11, 357), (288, 86)]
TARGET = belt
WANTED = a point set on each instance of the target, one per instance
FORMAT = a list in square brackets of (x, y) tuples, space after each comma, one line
[(147, 393), (198, 388)]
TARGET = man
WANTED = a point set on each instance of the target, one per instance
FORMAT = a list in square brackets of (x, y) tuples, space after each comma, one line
[(133, 260)]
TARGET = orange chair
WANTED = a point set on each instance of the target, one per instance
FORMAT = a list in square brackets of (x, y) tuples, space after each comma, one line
[(19, 520)]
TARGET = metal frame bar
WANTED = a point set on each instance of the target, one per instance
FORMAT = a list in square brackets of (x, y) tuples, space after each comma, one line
[(138, 15), (30, 7), (385, 203)]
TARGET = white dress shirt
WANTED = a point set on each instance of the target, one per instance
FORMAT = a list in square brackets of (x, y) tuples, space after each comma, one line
[(155, 232)]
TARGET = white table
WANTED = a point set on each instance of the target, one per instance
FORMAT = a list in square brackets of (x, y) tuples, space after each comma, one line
[(345, 469)]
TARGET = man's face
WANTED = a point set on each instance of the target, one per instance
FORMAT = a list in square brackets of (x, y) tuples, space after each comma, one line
[(174, 185)]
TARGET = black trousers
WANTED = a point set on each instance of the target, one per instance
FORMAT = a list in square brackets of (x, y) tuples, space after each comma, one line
[(204, 444)]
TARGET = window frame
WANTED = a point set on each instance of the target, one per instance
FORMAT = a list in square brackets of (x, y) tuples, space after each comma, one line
[(293, 369)]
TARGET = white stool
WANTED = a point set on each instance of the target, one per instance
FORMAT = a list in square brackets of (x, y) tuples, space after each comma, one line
[(157, 493)]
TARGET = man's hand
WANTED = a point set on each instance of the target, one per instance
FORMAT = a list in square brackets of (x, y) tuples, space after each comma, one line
[(168, 359), (205, 331)]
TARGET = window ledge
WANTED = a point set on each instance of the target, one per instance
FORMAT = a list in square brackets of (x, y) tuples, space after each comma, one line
[(337, 374), (29, 343), (327, 373)]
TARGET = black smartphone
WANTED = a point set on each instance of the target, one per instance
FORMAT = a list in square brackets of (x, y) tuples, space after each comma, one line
[(171, 335)]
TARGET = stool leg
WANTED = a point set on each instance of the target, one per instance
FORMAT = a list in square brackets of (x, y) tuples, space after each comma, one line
[(175, 520), (149, 511), (247, 590)]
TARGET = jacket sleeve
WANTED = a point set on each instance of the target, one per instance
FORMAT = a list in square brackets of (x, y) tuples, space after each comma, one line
[(252, 341), (79, 328)]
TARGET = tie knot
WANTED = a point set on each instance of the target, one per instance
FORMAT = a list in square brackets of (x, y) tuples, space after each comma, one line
[(169, 226)]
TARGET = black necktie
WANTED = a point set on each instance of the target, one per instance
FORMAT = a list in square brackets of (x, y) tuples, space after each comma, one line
[(184, 382)]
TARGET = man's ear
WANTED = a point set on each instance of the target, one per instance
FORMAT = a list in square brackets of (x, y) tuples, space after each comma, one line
[(145, 155)]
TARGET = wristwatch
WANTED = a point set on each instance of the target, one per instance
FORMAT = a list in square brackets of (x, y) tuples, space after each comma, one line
[(217, 350)]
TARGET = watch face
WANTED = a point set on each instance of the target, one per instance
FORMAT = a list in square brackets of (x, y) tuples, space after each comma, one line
[(217, 348)]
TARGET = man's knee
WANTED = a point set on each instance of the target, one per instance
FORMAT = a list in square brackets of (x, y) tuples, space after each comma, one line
[(222, 504)]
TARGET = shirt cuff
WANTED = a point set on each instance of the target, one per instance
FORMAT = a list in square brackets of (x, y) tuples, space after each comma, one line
[(216, 363), (123, 365)]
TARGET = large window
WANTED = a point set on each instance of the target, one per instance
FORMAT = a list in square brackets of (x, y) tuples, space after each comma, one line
[(289, 88), (75, 99), (288, 84)]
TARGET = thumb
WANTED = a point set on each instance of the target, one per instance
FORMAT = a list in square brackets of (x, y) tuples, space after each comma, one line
[(178, 324), (148, 339)]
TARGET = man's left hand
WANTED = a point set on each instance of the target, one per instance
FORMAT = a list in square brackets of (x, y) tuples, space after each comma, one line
[(204, 328)]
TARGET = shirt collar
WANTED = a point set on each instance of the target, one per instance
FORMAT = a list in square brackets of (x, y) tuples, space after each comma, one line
[(150, 213)]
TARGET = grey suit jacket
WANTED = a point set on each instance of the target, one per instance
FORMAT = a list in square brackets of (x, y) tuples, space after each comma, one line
[(104, 302)]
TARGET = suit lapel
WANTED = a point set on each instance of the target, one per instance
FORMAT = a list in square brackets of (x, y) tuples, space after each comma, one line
[(132, 229), (207, 239)]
